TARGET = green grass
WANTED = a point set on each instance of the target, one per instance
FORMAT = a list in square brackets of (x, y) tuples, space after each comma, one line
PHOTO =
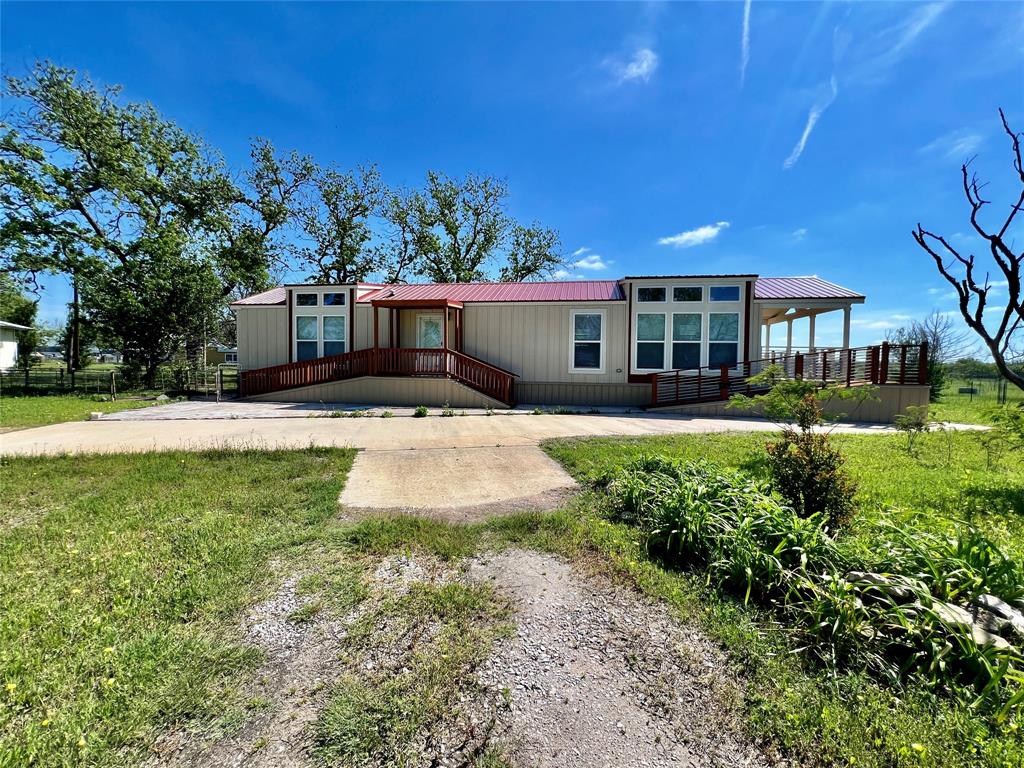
[(122, 579), (971, 409), (155, 556), (22, 411)]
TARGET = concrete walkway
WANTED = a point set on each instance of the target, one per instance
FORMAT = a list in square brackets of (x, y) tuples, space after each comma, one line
[(399, 433), (459, 468)]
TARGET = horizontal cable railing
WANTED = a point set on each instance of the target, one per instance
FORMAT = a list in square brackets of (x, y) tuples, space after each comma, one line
[(882, 364), (435, 363)]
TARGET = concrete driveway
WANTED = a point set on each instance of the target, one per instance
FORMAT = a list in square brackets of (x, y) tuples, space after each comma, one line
[(459, 468)]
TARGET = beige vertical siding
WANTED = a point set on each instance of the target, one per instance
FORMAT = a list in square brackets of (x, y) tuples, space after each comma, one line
[(363, 333), (262, 336), (534, 340)]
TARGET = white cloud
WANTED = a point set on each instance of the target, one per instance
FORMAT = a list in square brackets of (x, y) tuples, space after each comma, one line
[(800, 234), (560, 274), (591, 261), (579, 252), (955, 145), (813, 116), (693, 237), (640, 67), (745, 42), (887, 49)]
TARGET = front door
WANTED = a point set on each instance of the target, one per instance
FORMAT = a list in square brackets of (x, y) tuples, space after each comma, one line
[(429, 335)]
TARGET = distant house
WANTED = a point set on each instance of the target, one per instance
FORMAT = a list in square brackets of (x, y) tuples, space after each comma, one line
[(9, 343), (218, 353), (651, 341), (50, 352), (106, 355)]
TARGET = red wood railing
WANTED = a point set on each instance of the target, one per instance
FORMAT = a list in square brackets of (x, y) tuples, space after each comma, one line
[(883, 364), (434, 363)]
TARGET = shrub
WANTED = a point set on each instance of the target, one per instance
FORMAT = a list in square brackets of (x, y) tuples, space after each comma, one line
[(913, 423), (808, 471), (420, 412), (447, 410), (386, 414), (900, 617)]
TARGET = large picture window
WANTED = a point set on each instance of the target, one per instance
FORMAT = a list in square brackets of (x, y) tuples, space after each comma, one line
[(686, 338), (723, 338), (587, 342), (334, 334), (307, 338), (650, 341)]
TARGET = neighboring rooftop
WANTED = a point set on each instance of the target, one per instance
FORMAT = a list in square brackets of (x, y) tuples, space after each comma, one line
[(14, 326), (765, 289)]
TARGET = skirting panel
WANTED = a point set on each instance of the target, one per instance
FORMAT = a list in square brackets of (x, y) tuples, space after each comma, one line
[(386, 390), (558, 393)]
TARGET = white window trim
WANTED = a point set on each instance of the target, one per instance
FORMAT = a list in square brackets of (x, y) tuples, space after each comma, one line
[(665, 288), (320, 311), (602, 341), (319, 301), (637, 341)]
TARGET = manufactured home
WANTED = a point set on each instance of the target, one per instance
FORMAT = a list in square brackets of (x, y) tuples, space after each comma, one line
[(671, 341)]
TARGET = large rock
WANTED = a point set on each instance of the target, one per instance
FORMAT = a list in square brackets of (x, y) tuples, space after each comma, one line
[(999, 615), (899, 589)]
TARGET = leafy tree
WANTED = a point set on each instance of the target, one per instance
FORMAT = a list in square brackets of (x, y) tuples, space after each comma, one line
[(16, 307), (334, 218), (998, 327), (98, 190), (534, 252), (407, 236), (464, 228)]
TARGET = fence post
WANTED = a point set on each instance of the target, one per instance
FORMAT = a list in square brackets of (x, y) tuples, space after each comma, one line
[(723, 385), (654, 389), (883, 375), (849, 366), (113, 385), (798, 366), (922, 364)]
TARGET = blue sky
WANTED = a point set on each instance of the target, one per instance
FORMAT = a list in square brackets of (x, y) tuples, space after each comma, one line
[(776, 138)]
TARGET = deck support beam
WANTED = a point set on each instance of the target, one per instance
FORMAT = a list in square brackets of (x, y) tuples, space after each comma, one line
[(810, 332), (846, 327)]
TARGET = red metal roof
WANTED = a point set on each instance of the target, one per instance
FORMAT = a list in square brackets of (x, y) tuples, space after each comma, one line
[(811, 287), (576, 290), (766, 289), (273, 296)]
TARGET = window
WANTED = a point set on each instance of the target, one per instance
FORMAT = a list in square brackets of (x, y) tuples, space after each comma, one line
[(688, 293), (686, 340), (725, 293), (587, 342), (305, 299), (334, 333), (230, 357), (723, 338), (650, 341), (650, 294), (306, 338), (334, 299)]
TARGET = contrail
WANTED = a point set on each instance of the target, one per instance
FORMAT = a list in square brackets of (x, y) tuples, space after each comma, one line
[(812, 120), (745, 42)]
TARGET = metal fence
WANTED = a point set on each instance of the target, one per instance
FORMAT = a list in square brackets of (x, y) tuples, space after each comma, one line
[(199, 380)]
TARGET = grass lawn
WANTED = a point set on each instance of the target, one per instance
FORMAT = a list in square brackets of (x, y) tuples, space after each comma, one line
[(121, 576), (22, 411), (124, 576), (971, 409)]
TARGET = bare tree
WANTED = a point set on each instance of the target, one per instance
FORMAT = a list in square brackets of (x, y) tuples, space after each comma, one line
[(971, 280), (947, 341)]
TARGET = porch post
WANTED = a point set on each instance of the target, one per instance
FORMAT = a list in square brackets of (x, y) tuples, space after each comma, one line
[(767, 340), (789, 336), (376, 339), (846, 327), (810, 333), (444, 326)]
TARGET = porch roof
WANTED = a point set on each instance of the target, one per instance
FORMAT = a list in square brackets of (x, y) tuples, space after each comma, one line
[(399, 303), (806, 288)]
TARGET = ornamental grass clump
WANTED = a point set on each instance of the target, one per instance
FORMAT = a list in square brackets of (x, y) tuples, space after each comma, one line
[(944, 611)]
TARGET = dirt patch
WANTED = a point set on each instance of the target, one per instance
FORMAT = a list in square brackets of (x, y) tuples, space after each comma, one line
[(292, 686), (596, 675)]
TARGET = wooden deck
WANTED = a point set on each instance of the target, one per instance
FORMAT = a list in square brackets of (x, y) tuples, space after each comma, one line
[(881, 364)]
